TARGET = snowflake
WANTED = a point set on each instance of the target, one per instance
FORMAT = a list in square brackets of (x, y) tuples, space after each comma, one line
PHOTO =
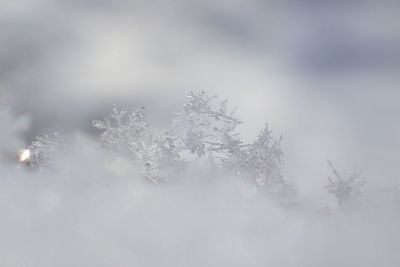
[(43, 151), (128, 135), (344, 189), (204, 127), (260, 160)]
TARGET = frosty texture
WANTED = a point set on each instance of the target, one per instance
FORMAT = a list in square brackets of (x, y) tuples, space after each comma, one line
[(203, 127), (128, 135), (45, 150), (345, 188)]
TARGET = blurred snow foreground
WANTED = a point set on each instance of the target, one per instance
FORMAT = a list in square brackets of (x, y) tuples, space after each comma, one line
[(194, 196)]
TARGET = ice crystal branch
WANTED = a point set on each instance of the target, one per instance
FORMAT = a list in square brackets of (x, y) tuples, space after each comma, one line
[(128, 135), (260, 160), (44, 150), (345, 188), (203, 126)]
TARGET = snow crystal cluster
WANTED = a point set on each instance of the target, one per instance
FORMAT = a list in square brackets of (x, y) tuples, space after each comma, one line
[(344, 189), (43, 151), (96, 195), (205, 127), (128, 135), (202, 127)]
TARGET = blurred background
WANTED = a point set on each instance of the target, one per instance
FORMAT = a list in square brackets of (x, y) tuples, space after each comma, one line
[(325, 74)]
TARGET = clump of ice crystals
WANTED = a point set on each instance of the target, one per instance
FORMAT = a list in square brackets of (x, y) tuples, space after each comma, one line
[(344, 189), (128, 135), (44, 150), (203, 126), (260, 160)]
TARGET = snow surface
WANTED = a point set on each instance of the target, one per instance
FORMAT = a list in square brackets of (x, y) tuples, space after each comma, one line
[(94, 211)]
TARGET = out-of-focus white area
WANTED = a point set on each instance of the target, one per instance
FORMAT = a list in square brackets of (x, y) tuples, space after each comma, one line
[(325, 74), (88, 213)]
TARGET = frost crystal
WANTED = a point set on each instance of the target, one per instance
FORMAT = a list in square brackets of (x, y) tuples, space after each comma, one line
[(204, 127), (260, 160), (124, 133), (344, 189), (128, 135), (44, 150)]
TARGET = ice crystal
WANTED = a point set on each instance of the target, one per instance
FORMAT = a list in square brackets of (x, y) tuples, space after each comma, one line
[(344, 189), (260, 160), (44, 150), (203, 126), (128, 135)]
